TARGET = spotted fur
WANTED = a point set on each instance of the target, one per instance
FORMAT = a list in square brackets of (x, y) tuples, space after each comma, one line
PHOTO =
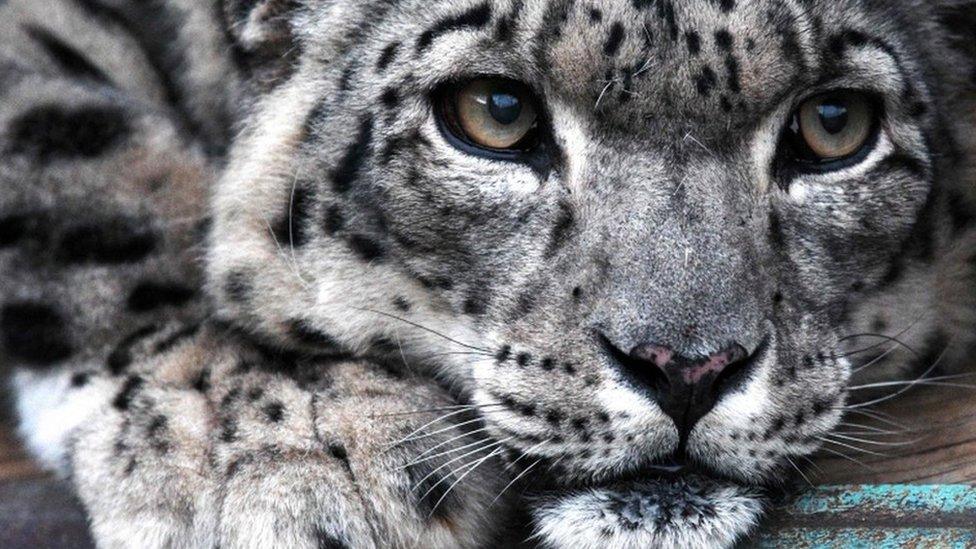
[(253, 297)]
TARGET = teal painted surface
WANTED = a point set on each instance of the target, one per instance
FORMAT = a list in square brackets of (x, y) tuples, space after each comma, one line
[(891, 498), (876, 516), (870, 538)]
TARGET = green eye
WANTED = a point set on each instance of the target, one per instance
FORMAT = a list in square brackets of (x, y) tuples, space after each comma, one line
[(494, 114)]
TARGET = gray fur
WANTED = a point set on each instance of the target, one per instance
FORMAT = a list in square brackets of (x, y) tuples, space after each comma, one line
[(347, 227)]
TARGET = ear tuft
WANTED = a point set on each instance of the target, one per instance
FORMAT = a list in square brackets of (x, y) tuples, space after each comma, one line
[(262, 38)]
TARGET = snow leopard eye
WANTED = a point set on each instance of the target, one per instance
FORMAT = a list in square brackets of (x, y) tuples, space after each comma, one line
[(831, 131), (492, 114)]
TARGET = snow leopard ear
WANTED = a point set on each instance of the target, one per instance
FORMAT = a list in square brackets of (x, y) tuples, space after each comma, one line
[(262, 37)]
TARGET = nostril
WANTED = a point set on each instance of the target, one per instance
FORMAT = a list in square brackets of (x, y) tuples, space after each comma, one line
[(737, 372), (636, 367)]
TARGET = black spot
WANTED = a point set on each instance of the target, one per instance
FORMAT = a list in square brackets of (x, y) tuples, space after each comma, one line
[(726, 5), (776, 236), (325, 540), (57, 132), (80, 379), (351, 163), (238, 287), (154, 433), (291, 229), (614, 40), (596, 15), (149, 296), (401, 304), (561, 230), (503, 354), (67, 58), (304, 333), (523, 359), (723, 39), (387, 56), (339, 452), (474, 305), (799, 418), (732, 74), (255, 394), (705, 81), (14, 228), (275, 412), (577, 293), (228, 430), (547, 364), (334, 220), (820, 406), (526, 409), (693, 39), (123, 399), (366, 247), (201, 383), (554, 417), (475, 18), (114, 241), (121, 357), (34, 333), (390, 98), (569, 369)]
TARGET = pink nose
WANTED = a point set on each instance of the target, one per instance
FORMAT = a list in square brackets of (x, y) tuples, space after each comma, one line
[(690, 371)]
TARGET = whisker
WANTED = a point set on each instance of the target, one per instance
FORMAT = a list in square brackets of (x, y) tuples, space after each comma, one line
[(876, 415), (516, 479), (455, 459), (434, 410), (426, 329), (421, 459), (791, 462), (852, 447), (849, 458), (905, 389), (526, 453), (871, 429), (407, 438), (442, 430), (459, 479), (875, 442), (886, 339)]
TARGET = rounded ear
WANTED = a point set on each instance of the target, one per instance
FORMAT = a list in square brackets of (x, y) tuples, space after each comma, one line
[(262, 37)]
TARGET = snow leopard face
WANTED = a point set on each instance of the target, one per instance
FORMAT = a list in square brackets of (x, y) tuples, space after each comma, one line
[(636, 234)]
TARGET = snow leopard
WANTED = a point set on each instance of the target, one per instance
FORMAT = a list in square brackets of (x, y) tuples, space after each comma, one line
[(472, 273)]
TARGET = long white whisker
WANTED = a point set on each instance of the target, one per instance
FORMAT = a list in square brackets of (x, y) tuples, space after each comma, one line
[(460, 478), (425, 456), (516, 479), (455, 459), (852, 447)]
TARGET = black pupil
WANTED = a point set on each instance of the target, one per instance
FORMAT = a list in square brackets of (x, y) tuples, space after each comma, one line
[(833, 116), (504, 107)]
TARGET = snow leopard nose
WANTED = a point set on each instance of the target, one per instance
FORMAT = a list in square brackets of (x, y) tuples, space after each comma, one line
[(693, 385), (686, 388)]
